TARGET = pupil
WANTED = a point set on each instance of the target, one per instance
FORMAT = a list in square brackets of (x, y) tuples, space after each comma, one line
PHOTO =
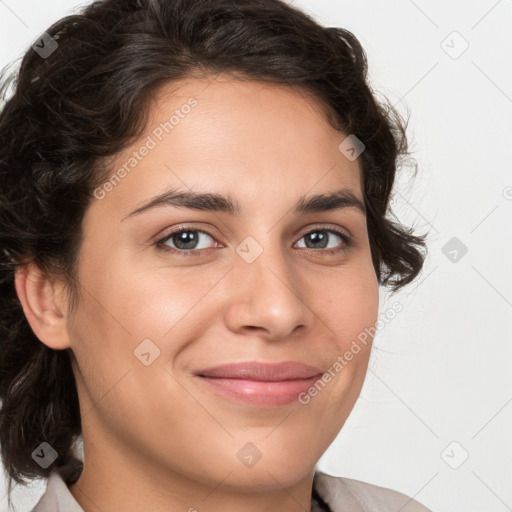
[(317, 236), (186, 238)]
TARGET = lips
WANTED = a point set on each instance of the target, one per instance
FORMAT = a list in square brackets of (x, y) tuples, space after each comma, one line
[(260, 384), (288, 370)]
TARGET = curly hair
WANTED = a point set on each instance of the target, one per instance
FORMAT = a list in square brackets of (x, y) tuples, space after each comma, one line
[(71, 110)]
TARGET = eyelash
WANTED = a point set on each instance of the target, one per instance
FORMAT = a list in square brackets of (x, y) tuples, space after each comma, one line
[(160, 244)]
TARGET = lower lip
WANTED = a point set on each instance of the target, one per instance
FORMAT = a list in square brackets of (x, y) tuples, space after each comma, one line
[(260, 393)]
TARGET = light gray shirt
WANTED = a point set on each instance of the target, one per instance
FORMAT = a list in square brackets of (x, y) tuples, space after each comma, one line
[(341, 494)]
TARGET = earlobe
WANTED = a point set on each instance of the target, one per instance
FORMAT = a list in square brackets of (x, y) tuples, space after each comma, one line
[(39, 295)]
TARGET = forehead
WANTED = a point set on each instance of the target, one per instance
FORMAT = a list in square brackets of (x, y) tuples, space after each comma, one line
[(243, 105), (238, 137)]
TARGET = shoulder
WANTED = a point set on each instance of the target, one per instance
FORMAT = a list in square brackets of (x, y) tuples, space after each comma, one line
[(57, 497), (348, 495)]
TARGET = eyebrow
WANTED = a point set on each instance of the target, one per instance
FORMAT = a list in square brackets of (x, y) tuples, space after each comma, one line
[(342, 198)]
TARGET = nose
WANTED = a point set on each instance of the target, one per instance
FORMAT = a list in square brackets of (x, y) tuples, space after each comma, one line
[(268, 297)]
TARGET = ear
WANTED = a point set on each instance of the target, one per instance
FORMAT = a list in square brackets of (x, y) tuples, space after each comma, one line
[(40, 298)]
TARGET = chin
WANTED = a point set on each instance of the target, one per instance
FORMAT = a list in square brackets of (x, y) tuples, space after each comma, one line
[(268, 478), (277, 467)]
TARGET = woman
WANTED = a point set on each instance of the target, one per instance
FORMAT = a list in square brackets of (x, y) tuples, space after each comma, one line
[(194, 231)]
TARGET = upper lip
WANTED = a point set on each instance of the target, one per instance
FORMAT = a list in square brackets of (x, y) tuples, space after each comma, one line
[(253, 370)]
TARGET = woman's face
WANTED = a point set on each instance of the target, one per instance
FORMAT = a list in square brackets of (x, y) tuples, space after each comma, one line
[(268, 282)]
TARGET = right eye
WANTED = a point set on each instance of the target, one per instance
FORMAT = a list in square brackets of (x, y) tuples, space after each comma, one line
[(185, 241)]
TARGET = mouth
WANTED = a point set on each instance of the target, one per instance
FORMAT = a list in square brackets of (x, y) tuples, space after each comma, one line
[(260, 384)]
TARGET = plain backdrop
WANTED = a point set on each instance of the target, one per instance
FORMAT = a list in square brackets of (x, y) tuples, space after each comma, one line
[(434, 419)]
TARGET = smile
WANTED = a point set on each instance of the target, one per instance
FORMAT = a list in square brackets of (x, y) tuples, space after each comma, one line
[(260, 384)]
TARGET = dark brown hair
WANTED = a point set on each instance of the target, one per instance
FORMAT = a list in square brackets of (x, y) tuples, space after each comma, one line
[(88, 100)]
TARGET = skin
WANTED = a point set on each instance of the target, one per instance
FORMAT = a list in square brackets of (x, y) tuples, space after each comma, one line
[(154, 438)]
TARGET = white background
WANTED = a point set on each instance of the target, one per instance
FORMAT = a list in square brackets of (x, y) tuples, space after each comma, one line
[(441, 369)]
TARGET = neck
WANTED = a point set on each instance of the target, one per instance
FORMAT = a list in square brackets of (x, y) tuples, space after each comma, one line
[(124, 481)]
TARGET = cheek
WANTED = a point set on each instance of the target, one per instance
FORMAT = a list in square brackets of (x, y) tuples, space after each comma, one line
[(350, 311), (351, 303), (125, 300)]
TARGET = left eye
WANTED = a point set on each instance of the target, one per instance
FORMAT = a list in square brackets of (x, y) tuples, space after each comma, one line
[(185, 241), (320, 241)]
